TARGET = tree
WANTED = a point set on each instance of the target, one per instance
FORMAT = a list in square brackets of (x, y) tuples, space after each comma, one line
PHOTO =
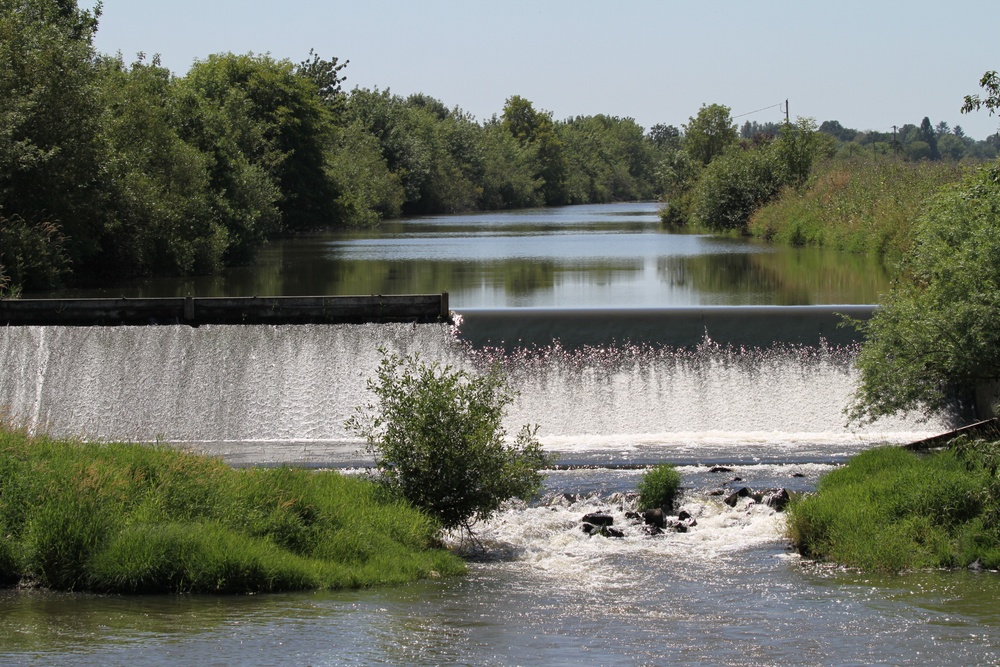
[(278, 121), (937, 334), (708, 134), (438, 440), (50, 122), (536, 130)]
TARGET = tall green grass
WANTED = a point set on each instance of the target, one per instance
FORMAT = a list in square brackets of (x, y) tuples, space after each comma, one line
[(858, 205), (891, 510), (129, 518)]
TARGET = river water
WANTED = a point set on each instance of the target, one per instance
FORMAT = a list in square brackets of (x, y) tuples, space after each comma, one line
[(728, 592)]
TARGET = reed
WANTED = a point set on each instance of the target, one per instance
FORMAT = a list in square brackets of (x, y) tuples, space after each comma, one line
[(856, 205), (131, 518), (891, 510)]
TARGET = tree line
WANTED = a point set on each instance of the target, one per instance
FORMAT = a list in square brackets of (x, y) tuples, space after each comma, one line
[(118, 169)]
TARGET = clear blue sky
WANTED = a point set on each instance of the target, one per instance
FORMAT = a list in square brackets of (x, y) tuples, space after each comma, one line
[(870, 65)]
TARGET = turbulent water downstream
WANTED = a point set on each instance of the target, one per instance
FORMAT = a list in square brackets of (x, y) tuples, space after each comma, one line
[(728, 592)]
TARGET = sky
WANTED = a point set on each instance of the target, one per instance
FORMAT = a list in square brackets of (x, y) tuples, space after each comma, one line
[(870, 65)]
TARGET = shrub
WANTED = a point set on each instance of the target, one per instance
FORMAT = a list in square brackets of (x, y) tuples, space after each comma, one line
[(937, 333), (438, 440), (736, 184), (658, 487)]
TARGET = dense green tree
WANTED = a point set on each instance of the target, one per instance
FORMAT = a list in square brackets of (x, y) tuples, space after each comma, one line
[(50, 114), (797, 146), (277, 119), (160, 217), (709, 133), (608, 159), (507, 178)]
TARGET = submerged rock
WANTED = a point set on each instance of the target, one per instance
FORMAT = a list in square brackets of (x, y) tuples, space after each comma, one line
[(734, 497), (599, 519)]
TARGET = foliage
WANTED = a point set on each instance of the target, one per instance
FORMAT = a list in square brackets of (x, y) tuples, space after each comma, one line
[(991, 84), (734, 185), (658, 487), (536, 130), (438, 440), (937, 333), (127, 518), (32, 256), (50, 148), (608, 159), (890, 509), (277, 120)]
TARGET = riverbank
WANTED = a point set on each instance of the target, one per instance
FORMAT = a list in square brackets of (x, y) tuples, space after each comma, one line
[(857, 205), (891, 510), (131, 518)]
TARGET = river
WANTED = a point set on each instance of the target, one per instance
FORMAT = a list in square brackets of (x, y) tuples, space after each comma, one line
[(728, 592)]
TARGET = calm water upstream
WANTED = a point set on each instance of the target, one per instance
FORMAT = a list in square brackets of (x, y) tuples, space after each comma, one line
[(609, 255), (728, 592)]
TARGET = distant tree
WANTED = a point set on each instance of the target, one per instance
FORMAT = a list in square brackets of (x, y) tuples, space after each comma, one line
[(835, 129), (536, 129), (951, 147), (796, 147), (665, 136), (958, 131), (928, 135), (51, 147), (279, 121), (709, 133), (941, 129)]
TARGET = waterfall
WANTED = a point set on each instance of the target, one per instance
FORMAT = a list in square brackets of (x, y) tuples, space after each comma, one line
[(274, 394)]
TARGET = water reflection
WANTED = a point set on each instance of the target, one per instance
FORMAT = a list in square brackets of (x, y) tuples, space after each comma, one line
[(612, 255)]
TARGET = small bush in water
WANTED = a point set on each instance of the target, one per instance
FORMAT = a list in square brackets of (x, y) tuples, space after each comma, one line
[(439, 442), (658, 487)]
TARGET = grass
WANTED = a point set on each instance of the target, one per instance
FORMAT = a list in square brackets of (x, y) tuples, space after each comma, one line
[(891, 510), (858, 205), (129, 518)]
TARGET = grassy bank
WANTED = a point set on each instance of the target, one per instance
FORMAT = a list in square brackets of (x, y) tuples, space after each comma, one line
[(857, 205), (890, 510), (129, 518)]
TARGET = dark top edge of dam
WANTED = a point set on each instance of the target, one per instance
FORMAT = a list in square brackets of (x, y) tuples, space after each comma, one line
[(680, 327), (196, 311)]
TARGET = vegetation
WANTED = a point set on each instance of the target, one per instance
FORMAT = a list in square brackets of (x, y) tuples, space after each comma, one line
[(658, 487), (856, 205), (890, 510), (126, 518), (937, 333), (438, 440)]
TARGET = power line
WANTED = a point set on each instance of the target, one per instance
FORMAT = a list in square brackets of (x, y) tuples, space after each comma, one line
[(779, 104)]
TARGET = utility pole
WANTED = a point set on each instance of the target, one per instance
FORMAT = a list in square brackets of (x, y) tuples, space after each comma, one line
[(786, 111), (895, 146)]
